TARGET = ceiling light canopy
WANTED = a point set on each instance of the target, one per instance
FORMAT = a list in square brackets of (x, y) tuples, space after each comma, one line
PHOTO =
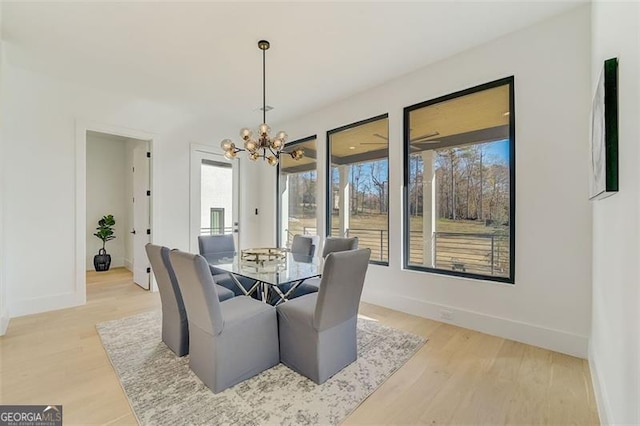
[(263, 145)]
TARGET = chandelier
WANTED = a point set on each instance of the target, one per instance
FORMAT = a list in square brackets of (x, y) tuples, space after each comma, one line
[(263, 146)]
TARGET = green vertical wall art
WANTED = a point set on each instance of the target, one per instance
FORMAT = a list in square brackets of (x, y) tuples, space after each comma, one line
[(603, 179)]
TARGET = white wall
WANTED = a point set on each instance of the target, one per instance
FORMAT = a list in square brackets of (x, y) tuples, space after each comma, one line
[(39, 158), (106, 194), (615, 340), (252, 196), (549, 305)]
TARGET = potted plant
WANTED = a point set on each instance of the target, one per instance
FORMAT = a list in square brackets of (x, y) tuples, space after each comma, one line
[(102, 260)]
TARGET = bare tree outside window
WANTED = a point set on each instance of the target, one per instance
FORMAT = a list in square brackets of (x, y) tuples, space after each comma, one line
[(297, 191), (459, 189), (358, 195)]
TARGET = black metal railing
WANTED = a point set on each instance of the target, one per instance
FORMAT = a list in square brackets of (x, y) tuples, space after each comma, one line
[(375, 239), (216, 231), (304, 231), (480, 253), (290, 236)]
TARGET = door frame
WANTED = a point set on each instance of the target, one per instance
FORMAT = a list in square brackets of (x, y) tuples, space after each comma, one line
[(194, 191), (82, 126)]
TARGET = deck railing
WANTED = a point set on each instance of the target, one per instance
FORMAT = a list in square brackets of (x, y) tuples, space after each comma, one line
[(480, 253), (216, 231), (375, 239)]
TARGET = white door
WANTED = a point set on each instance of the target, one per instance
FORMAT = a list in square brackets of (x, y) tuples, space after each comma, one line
[(141, 229), (214, 195)]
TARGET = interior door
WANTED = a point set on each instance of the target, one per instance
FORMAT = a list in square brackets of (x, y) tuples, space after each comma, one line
[(214, 195), (141, 229)]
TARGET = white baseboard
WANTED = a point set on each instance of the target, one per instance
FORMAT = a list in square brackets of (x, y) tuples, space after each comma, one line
[(128, 264), (117, 262), (555, 340), (23, 307), (4, 324), (602, 400)]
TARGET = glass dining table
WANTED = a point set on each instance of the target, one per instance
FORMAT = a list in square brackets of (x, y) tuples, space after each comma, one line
[(280, 278)]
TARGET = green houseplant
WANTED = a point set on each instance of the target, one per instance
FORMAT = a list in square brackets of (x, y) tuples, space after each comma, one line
[(102, 260)]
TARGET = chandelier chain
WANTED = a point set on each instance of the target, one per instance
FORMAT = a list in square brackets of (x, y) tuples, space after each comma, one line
[(264, 86), (263, 143)]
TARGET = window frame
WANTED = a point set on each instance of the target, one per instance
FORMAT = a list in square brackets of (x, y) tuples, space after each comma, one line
[(278, 200), (329, 186), (406, 242)]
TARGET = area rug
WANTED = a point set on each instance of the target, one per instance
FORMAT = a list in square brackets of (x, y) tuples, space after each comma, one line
[(162, 390)]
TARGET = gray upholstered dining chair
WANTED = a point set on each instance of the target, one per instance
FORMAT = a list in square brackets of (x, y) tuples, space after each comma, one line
[(331, 245), (304, 244), (229, 341), (175, 328), (334, 244), (216, 243), (213, 244), (318, 331)]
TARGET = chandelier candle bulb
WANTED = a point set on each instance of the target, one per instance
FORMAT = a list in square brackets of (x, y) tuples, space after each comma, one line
[(264, 144), (264, 129), (297, 154), (277, 144), (226, 144), (245, 133)]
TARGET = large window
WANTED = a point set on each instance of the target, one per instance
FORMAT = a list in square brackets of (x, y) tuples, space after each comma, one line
[(459, 188), (358, 187), (297, 192)]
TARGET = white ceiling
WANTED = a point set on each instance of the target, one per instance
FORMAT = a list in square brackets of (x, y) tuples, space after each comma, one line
[(204, 56)]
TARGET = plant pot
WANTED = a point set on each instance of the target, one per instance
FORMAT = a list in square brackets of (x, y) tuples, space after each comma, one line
[(102, 261)]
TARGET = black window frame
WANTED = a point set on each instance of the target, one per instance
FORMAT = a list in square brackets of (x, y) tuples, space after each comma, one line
[(329, 186), (278, 201), (510, 81)]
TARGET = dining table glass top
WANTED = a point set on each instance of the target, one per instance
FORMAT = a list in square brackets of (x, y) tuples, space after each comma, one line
[(292, 268)]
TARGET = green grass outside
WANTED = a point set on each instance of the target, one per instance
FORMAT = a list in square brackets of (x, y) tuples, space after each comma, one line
[(378, 221)]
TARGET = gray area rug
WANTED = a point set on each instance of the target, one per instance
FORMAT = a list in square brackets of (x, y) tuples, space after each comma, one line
[(162, 390)]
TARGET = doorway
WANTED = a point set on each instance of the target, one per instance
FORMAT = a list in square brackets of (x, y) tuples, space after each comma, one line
[(118, 186), (214, 195), (86, 226)]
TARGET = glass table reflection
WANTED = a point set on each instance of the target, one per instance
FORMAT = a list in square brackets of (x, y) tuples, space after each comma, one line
[(281, 278)]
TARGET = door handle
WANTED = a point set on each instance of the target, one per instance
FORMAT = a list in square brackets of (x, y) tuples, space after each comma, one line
[(133, 232)]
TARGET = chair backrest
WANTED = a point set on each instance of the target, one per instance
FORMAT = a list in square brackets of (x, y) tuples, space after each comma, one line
[(198, 291), (304, 244), (340, 287), (216, 244), (170, 294), (335, 244)]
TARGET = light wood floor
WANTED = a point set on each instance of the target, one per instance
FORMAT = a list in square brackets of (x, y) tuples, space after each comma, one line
[(458, 377)]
